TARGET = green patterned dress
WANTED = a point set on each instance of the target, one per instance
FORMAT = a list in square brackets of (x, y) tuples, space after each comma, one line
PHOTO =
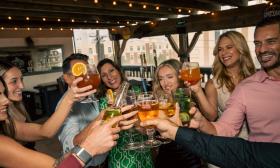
[(120, 158)]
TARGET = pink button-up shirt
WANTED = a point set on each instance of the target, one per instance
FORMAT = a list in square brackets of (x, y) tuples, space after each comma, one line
[(257, 100)]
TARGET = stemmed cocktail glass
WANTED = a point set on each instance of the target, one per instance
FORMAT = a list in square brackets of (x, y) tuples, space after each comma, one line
[(148, 108)]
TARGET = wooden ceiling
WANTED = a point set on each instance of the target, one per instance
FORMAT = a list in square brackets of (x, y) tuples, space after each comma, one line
[(104, 14)]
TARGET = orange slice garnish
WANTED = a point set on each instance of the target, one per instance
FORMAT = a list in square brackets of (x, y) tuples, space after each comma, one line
[(79, 69), (110, 96)]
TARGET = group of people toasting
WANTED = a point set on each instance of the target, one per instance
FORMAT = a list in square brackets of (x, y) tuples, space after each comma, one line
[(237, 101)]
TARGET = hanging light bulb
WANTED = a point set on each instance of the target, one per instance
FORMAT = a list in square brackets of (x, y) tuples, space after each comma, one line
[(157, 7), (179, 10), (58, 20), (10, 17), (44, 19), (114, 3), (95, 1), (144, 6), (72, 20), (27, 18), (40, 29), (130, 5)]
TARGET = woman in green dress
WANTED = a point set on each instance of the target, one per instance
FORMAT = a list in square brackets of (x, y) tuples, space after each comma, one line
[(111, 78)]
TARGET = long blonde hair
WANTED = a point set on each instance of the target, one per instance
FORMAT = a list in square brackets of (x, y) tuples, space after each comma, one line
[(171, 63), (246, 64)]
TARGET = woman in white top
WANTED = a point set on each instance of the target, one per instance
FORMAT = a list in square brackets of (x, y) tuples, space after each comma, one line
[(232, 64)]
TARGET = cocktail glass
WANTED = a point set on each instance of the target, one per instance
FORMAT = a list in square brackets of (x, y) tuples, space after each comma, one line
[(90, 78), (148, 108)]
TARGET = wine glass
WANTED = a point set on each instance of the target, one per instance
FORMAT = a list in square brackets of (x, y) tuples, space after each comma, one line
[(190, 72), (132, 144), (91, 77), (166, 105), (148, 106)]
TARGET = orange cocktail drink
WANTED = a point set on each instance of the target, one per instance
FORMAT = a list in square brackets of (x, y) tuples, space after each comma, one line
[(147, 110), (190, 72), (92, 79)]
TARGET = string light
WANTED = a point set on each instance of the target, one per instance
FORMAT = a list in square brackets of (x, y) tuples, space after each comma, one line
[(157, 7), (179, 10), (28, 28), (16, 28), (58, 20), (61, 29), (97, 21), (118, 22), (44, 19), (95, 1), (72, 20), (212, 13), (144, 6), (2, 28), (40, 29), (27, 18), (9, 17), (127, 22), (51, 29), (71, 29), (189, 11), (130, 5), (114, 3)]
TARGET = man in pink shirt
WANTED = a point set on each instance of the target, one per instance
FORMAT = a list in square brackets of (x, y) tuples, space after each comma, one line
[(257, 98)]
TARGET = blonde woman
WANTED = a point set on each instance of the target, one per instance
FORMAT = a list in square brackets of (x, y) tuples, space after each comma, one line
[(165, 81)]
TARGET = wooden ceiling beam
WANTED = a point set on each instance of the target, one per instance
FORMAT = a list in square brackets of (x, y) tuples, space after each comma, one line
[(75, 10), (105, 7), (194, 4), (54, 25), (233, 18), (237, 3)]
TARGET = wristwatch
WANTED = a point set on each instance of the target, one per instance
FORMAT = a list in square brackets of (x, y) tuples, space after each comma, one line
[(82, 154)]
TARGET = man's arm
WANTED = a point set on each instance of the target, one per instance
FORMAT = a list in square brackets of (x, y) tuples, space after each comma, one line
[(229, 152)]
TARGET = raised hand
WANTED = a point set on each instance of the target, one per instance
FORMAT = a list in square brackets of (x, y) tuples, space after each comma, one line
[(102, 136), (129, 117), (194, 87), (166, 128), (197, 118), (77, 93)]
